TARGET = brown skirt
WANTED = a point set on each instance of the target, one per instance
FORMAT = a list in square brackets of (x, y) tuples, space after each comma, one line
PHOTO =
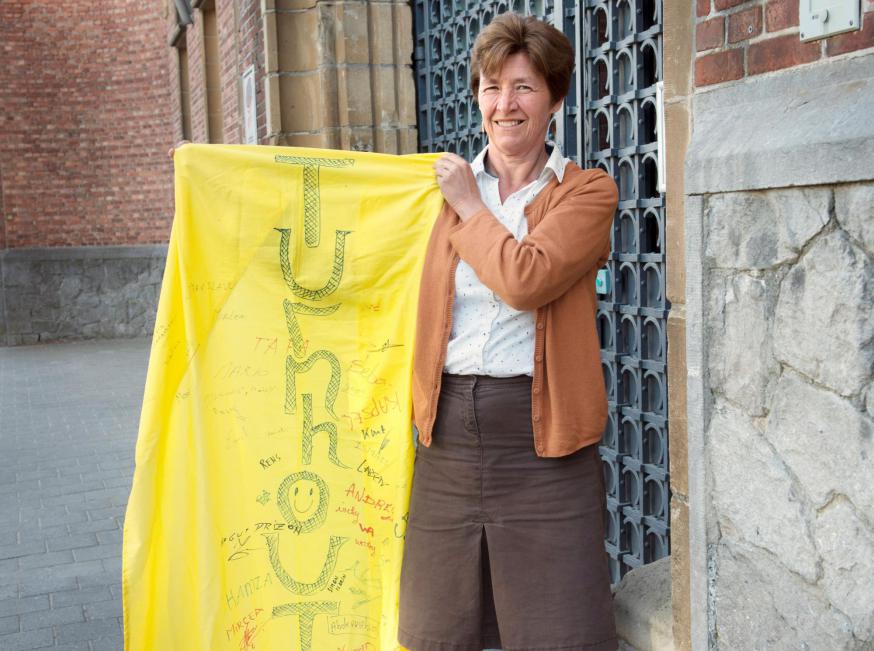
[(504, 549)]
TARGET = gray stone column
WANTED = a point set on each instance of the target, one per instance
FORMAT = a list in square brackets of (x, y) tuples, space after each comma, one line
[(780, 353)]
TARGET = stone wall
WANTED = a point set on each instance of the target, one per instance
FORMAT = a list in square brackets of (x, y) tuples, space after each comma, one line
[(780, 332), (79, 292)]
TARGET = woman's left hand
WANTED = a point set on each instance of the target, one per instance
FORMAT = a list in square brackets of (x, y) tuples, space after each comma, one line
[(458, 185)]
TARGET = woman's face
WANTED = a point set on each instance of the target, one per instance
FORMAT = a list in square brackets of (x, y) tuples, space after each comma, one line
[(516, 107)]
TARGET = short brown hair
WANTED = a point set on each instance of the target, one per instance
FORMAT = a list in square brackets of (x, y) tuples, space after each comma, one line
[(549, 51)]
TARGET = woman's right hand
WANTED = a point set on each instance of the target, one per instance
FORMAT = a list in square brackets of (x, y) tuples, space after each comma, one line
[(172, 150)]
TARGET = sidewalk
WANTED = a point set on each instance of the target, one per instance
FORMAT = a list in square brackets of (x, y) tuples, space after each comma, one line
[(68, 423)]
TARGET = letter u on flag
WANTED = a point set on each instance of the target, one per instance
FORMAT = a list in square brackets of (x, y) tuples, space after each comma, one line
[(269, 501)]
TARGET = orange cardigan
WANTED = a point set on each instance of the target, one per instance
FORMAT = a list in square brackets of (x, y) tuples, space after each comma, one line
[(552, 270)]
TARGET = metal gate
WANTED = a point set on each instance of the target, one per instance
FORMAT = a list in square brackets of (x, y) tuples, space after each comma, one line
[(609, 120)]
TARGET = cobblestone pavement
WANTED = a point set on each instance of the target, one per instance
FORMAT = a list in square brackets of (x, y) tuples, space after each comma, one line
[(68, 422)]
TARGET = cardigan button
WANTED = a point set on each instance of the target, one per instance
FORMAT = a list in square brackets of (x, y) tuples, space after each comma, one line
[(540, 326), (536, 389), (539, 358), (536, 418)]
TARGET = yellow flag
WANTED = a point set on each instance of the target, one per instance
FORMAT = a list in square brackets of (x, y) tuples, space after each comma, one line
[(269, 502)]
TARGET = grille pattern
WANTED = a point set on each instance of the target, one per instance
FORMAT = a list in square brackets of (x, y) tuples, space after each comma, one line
[(609, 120)]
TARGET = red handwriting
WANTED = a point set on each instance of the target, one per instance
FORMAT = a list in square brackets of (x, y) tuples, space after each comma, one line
[(365, 529), (362, 496), (367, 544), (266, 344), (349, 510), (243, 624)]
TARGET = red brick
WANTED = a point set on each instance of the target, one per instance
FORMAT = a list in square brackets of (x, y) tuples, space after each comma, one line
[(852, 41), (710, 34), (780, 14), (722, 5), (82, 162), (744, 24), (780, 52), (702, 8), (719, 67)]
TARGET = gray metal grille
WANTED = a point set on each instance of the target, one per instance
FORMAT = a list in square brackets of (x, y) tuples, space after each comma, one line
[(619, 48)]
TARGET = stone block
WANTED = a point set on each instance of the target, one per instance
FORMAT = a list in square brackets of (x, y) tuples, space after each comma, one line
[(322, 139), (846, 544), (785, 142), (302, 99), (297, 48), (385, 100), (824, 440), (869, 400), (739, 325), (678, 444), (854, 209), (406, 91), (676, 139), (271, 44), (824, 325), (386, 141), (409, 140), (758, 230), (403, 33), (356, 138), (355, 99), (382, 33), (762, 606), (681, 601), (642, 604), (353, 44), (754, 496), (285, 5)]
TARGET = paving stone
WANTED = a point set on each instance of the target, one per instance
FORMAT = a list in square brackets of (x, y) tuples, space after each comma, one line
[(112, 643), (101, 578), (23, 605), (112, 566), (56, 616), (26, 640), (9, 625), (72, 542), (45, 584), (8, 591), (106, 524), (77, 646), (45, 560), (98, 551), (16, 551), (110, 537), (84, 596), (35, 535), (103, 609), (88, 630), (71, 412)]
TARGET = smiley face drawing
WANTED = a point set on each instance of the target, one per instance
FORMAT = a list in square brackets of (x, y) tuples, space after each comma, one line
[(302, 499)]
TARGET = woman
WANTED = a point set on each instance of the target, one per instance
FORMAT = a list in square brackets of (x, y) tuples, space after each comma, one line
[(505, 544)]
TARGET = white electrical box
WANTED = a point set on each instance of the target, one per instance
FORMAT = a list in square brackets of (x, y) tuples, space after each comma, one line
[(821, 18)]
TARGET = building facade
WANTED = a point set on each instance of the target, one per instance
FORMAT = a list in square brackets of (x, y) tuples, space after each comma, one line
[(85, 188), (763, 211)]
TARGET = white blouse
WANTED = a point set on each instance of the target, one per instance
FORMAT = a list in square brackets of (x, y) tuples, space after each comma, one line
[(488, 336)]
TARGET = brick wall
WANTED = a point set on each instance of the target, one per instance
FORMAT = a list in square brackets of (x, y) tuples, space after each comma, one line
[(240, 37), (736, 39), (86, 122)]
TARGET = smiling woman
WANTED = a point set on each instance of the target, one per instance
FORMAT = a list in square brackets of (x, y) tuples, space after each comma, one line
[(505, 541)]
